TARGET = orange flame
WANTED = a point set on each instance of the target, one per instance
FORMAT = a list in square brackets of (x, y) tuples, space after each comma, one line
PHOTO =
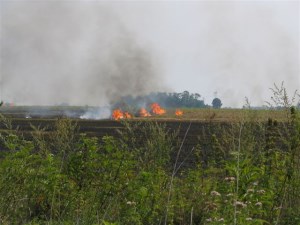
[(127, 115), (144, 113), (117, 114), (178, 112), (156, 109)]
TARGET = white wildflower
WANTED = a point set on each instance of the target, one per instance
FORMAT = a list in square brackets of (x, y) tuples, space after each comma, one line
[(240, 204), (209, 220), (231, 179), (215, 193), (250, 190), (258, 204), (130, 203), (261, 192)]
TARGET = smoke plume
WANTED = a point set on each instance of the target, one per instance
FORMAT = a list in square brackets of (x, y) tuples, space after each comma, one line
[(70, 52), (93, 52)]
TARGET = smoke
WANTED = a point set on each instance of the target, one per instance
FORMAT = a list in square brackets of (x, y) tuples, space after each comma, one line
[(97, 113), (93, 52), (78, 53), (250, 46), (237, 48)]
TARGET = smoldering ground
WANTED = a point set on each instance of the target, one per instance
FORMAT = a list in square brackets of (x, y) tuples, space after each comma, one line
[(78, 53)]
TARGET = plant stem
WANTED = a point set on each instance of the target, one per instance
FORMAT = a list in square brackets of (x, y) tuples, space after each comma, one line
[(238, 172), (174, 172)]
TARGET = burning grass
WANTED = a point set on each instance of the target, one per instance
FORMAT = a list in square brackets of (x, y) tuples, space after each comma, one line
[(206, 114), (156, 109), (118, 114), (178, 112)]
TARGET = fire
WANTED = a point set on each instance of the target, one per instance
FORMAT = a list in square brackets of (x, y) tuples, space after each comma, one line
[(156, 109), (178, 112), (127, 115), (117, 114), (144, 113)]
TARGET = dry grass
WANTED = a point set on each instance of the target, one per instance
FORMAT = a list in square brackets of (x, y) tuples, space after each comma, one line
[(205, 115), (222, 115)]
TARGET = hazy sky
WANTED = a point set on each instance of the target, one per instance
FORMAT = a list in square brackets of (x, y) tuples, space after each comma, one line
[(90, 52)]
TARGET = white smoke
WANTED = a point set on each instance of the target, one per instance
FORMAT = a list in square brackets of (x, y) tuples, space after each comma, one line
[(97, 113), (78, 53)]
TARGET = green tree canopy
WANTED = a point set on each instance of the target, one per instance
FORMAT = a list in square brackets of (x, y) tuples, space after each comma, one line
[(216, 103), (168, 100)]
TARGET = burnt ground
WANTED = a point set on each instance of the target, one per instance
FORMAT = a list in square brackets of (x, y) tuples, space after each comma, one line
[(198, 133), (100, 128)]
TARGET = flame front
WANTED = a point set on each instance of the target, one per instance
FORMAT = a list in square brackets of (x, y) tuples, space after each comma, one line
[(117, 114), (156, 109), (144, 113), (127, 115), (178, 112)]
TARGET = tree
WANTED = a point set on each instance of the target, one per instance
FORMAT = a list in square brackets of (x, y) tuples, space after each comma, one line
[(216, 103)]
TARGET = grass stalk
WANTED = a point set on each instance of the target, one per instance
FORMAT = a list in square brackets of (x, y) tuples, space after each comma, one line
[(174, 173), (238, 173)]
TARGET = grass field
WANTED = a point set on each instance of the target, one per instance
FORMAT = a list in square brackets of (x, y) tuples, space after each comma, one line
[(206, 114), (227, 166), (200, 119), (45, 118)]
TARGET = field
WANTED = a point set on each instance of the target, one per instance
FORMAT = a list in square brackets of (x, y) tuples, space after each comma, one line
[(24, 118), (206, 114), (209, 166), (201, 120)]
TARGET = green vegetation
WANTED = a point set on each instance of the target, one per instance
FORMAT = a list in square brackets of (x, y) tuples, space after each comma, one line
[(216, 103), (167, 100), (247, 172)]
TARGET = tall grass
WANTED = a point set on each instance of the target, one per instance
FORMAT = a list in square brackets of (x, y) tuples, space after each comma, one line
[(243, 173)]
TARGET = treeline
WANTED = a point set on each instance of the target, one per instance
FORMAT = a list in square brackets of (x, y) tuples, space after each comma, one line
[(167, 100)]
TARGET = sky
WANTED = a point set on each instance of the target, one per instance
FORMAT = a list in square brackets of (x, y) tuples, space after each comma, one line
[(93, 52)]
